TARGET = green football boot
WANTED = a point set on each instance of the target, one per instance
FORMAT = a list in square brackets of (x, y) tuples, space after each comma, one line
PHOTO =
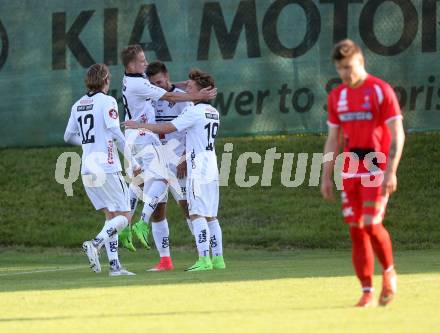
[(126, 239), (142, 231), (203, 264), (218, 262)]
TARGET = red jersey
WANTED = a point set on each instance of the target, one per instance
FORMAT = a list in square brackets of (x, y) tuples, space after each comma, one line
[(362, 113)]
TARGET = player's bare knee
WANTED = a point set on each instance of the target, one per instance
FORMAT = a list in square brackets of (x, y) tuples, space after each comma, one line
[(159, 213)]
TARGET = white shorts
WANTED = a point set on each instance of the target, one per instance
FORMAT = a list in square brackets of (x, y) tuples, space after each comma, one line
[(176, 186), (203, 197), (151, 159), (112, 194)]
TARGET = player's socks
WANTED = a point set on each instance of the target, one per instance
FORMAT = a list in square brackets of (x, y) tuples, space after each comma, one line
[(111, 228), (111, 247), (362, 256), (152, 197), (190, 226), (367, 300), (389, 286), (161, 235), (381, 241), (133, 198), (216, 240), (201, 235), (117, 270)]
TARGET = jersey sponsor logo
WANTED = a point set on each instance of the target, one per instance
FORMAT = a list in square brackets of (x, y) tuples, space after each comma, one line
[(367, 104), (348, 211), (356, 116), (211, 116), (84, 107), (344, 197), (110, 159), (86, 101), (113, 114)]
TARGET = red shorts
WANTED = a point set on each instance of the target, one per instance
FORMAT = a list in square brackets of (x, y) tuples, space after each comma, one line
[(359, 200)]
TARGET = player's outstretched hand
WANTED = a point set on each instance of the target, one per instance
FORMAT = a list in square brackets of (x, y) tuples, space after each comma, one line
[(208, 93), (131, 124), (327, 189), (389, 184)]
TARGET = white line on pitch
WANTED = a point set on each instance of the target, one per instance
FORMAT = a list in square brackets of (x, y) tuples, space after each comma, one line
[(44, 271)]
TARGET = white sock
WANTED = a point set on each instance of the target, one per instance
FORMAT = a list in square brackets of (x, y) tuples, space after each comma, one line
[(152, 196), (161, 235), (201, 235), (216, 240), (133, 198), (111, 247), (190, 226), (110, 229)]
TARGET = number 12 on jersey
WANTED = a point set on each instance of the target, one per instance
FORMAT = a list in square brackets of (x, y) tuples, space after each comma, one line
[(87, 120), (212, 129)]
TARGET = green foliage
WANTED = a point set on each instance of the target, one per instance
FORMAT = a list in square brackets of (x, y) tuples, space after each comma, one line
[(36, 211)]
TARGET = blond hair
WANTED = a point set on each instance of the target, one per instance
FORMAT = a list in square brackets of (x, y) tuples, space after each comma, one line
[(96, 77), (130, 53)]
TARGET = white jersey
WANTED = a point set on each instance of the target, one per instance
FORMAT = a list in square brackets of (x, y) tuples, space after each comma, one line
[(201, 122), (91, 118), (137, 94), (168, 111)]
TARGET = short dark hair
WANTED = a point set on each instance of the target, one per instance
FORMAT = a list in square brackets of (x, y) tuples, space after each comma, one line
[(130, 53), (345, 49), (202, 79), (156, 67), (96, 76)]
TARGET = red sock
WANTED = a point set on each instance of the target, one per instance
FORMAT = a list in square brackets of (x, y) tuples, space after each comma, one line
[(362, 256), (381, 241)]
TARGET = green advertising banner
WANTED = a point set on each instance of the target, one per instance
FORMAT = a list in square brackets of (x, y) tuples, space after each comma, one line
[(270, 59)]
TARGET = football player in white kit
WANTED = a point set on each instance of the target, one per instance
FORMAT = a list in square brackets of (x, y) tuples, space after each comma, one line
[(174, 151), (138, 93), (94, 124), (201, 123)]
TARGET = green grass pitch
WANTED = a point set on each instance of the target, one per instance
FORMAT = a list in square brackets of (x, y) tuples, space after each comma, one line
[(53, 290)]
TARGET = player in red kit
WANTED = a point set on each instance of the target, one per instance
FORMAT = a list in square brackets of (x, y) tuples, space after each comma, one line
[(364, 111)]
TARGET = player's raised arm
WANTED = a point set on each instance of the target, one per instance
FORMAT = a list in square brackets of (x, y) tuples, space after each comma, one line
[(164, 128), (204, 94), (389, 184)]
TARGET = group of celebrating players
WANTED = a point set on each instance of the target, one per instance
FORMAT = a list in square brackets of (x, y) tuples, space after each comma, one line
[(169, 144)]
